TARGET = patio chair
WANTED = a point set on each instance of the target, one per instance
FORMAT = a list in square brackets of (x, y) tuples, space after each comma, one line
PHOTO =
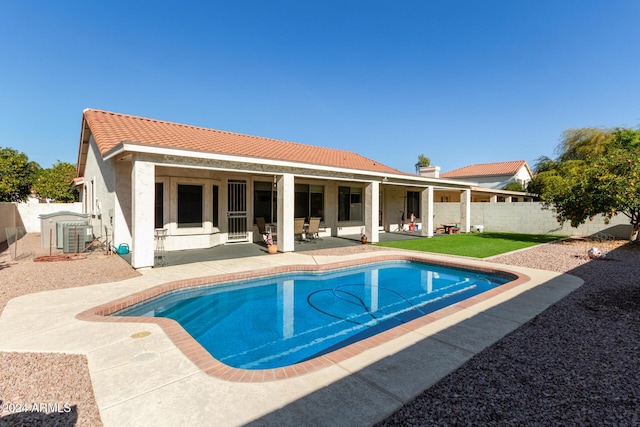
[(262, 227), (298, 229), (314, 228)]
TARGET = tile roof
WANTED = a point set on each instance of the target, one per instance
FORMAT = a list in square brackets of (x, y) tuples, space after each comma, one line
[(110, 129), (486, 169)]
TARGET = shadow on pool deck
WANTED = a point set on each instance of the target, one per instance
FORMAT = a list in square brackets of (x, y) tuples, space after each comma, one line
[(242, 250), (368, 395)]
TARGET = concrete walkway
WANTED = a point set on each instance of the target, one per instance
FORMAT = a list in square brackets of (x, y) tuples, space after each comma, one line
[(141, 378)]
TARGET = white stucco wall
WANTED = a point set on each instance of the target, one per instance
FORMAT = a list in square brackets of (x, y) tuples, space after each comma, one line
[(393, 206), (523, 175), (99, 181), (494, 182), (29, 213)]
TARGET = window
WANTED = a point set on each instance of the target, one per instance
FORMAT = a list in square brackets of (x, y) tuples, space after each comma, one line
[(413, 203), (316, 201), (189, 206), (214, 198), (85, 199), (349, 204), (92, 199), (309, 201), (265, 202), (159, 206)]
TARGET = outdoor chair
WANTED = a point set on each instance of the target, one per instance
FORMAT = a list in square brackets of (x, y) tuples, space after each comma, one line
[(298, 228), (314, 228), (262, 227)]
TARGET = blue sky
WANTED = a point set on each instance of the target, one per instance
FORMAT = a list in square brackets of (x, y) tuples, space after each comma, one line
[(460, 81)]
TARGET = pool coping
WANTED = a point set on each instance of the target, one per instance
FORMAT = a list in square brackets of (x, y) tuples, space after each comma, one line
[(213, 367)]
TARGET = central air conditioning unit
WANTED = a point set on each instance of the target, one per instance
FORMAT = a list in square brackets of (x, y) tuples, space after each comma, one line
[(76, 237), (60, 230)]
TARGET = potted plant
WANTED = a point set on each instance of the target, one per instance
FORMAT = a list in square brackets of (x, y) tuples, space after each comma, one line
[(363, 237), (271, 247)]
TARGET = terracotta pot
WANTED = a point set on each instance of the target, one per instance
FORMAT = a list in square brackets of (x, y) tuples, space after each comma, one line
[(364, 241), (272, 249)]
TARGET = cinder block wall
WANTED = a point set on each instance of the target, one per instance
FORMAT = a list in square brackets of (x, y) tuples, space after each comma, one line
[(527, 218), (8, 218)]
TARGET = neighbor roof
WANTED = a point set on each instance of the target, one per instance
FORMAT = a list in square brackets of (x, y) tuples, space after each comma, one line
[(112, 129), (487, 169)]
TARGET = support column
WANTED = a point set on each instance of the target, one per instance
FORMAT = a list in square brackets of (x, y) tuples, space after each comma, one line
[(142, 221), (371, 211), (465, 211), (119, 217), (426, 211), (286, 212)]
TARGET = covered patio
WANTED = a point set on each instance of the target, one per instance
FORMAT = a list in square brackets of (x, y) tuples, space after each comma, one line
[(243, 250)]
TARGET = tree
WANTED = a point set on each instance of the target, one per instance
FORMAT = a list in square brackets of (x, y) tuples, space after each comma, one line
[(596, 173), (17, 175), (513, 186), (423, 161), (580, 144), (55, 183)]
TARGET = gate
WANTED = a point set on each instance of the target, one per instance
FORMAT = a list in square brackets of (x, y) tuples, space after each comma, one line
[(237, 210)]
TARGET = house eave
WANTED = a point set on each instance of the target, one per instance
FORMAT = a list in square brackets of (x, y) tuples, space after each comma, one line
[(83, 148), (125, 148)]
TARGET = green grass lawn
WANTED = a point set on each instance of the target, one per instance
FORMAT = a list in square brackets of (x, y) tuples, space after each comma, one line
[(476, 245)]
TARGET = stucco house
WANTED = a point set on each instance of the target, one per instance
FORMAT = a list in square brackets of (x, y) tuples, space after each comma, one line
[(205, 187), (493, 175)]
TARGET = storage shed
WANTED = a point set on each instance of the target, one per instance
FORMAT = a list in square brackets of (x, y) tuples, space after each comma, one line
[(51, 226)]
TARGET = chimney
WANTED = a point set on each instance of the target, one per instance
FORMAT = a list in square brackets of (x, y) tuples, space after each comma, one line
[(430, 171)]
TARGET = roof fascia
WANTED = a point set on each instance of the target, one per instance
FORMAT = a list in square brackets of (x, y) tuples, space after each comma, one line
[(85, 134), (494, 191), (526, 165), (385, 178)]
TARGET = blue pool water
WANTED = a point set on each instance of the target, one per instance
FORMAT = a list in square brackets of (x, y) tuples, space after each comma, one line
[(286, 319)]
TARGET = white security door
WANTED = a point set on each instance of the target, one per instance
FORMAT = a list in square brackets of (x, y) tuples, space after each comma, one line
[(237, 210)]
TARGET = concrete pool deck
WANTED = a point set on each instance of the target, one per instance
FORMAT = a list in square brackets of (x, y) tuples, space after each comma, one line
[(141, 377)]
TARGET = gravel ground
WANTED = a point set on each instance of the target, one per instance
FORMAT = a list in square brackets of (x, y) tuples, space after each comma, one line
[(50, 389), (574, 364)]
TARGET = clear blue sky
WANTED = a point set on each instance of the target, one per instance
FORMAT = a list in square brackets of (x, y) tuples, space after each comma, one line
[(460, 81)]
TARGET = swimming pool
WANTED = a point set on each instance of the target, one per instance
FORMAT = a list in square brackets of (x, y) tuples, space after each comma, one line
[(282, 320)]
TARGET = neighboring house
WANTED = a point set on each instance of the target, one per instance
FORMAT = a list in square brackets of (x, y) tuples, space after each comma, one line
[(493, 175), (205, 187), (481, 192)]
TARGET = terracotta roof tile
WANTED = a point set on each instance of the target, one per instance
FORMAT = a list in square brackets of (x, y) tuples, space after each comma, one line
[(486, 169), (109, 129)]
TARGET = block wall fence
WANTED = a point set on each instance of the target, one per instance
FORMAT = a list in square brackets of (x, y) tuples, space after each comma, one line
[(27, 215), (8, 218), (528, 218)]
